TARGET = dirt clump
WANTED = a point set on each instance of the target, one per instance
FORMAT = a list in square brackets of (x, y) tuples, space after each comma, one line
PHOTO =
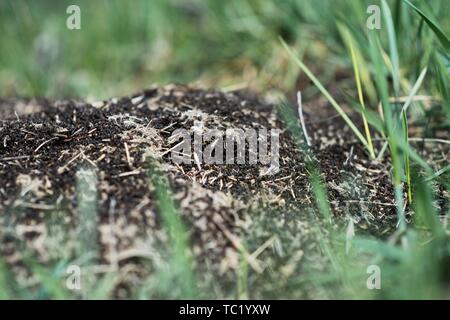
[(44, 144)]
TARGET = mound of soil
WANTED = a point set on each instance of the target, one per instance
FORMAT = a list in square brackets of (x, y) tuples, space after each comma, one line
[(47, 147)]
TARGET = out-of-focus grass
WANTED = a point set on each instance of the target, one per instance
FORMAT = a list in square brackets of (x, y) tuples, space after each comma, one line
[(177, 280), (6, 280), (413, 258), (123, 46), (126, 46)]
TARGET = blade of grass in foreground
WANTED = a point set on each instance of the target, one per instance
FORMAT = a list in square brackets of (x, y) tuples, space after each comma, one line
[(434, 247), (180, 264), (104, 287), (425, 213), (442, 83), (327, 95), (4, 281), (405, 128), (393, 51), (414, 90), (433, 26), (317, 184), (390, 130), (344, 271), (395, 71), (52, 284), (377, 122), (356, 61), (242, 276), (438, 173)]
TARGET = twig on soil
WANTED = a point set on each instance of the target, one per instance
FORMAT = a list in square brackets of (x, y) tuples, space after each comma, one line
[(103, 156), (44, 143), (169, 126), (14, 158), (173, 148), (197, 161), (349, 158), (77, 132), (29, 132), (63, 168), (129, 173), (90, 161), (127, 153), (364, 201), (302, 120)]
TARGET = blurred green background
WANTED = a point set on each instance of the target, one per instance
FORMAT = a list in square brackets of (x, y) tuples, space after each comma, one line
[(124, 46)]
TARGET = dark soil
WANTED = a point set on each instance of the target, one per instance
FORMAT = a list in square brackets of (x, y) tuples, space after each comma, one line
[(43, 144)]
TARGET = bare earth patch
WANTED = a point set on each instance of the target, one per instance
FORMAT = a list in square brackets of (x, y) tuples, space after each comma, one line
[(43, 144)]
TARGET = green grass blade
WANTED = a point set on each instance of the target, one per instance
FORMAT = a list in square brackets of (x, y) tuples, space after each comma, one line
[(442, 84), (327, 95), (433, 26), (104, 287), (314, 174), (390, 131), (361, 99), (414, 90), (5, 287), (425, 213), (357, 61), (393, 51), (180, 265), (407, 163), (380, 80), (438, 173), (242, 275), (405, 128), (379, 247), (53, 285)]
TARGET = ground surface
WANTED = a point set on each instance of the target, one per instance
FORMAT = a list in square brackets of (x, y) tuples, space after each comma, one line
[(45, 146)]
